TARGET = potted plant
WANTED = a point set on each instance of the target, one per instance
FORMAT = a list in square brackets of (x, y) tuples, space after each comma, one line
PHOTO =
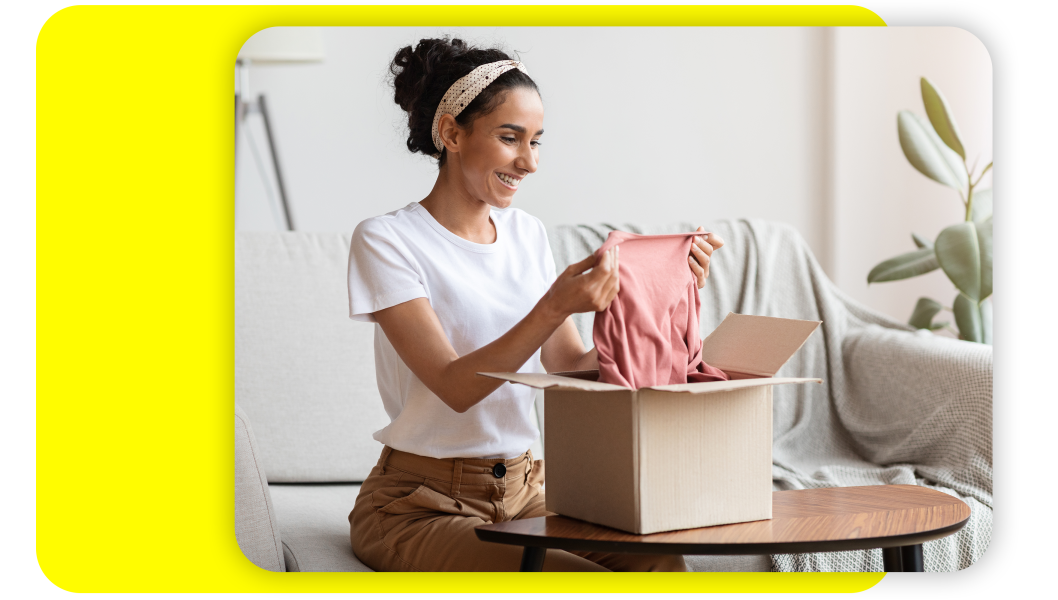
[(963, 250)]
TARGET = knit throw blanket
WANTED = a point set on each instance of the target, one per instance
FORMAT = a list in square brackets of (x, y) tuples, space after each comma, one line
[(898, 406)]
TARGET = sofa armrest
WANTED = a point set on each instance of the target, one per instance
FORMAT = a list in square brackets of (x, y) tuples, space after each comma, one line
[(256, 528), (919, 398)]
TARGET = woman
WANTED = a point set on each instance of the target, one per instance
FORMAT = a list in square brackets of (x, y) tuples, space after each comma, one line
[(457, 284)]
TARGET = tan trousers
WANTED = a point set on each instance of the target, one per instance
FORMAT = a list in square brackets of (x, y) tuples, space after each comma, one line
[(416, 513)]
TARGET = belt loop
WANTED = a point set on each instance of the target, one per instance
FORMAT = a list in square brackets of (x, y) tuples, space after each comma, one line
[(386, 451), (457, 476)]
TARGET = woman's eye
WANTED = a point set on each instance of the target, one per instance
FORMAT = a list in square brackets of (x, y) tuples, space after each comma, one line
[(535, 143), (509, 140)]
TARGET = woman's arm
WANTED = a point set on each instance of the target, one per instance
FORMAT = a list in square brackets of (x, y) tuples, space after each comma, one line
[(564, 351), (416, 333)]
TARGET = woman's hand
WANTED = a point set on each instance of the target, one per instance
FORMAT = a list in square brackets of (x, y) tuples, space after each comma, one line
[(572, 292), (701, 252), (575, 291)]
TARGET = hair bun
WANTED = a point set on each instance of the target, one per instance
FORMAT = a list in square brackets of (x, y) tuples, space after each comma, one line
[(412, 67)]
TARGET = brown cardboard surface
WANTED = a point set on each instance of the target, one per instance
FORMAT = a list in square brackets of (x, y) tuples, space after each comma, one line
[(592, 471), (543, 381), (704, 463), (707, 387), (754, 344), (555, 381)]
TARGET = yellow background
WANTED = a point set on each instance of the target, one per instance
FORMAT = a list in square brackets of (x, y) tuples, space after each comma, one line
[(135, 302)]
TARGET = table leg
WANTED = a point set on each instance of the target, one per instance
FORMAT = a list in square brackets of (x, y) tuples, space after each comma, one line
[(892, 559), (911, 558), (533, 559)]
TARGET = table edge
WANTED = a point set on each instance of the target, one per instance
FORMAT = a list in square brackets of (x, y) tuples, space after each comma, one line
[(589, 545)]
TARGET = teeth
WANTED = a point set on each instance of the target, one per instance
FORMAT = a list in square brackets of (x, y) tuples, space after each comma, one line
[(508, 180)]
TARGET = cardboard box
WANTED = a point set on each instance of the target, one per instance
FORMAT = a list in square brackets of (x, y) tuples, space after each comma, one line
[(673, 456)]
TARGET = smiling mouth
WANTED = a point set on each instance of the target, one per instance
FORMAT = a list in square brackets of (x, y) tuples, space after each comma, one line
[(508, 181)]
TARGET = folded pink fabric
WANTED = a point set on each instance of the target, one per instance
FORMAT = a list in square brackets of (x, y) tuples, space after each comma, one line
[(649, 334)]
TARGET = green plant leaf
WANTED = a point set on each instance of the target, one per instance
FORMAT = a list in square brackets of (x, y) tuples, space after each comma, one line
[(982, 208), (925, 310), (986, 320), (921, 242), (906, 265), (968, 318), (984, 242), (937, 326), (959, 254), (941, 118), (927, 152)]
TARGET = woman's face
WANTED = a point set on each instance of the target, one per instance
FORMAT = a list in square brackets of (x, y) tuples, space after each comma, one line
[(502, 148)]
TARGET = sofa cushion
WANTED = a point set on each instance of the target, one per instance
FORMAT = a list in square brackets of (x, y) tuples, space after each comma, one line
[(256, 528), (314, 524), (751, 563), (304, 372)]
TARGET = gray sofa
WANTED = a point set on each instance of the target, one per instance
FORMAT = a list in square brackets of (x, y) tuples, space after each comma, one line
[(306, 402)]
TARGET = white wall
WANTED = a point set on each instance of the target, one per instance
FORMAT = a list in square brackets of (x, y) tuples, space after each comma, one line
[(879, 198), (652, 126)]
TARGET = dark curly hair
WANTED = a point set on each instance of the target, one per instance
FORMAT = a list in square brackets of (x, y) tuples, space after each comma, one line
[(423, 74)]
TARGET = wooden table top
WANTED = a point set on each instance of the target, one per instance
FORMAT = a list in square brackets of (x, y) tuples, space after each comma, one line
[(813, 520)]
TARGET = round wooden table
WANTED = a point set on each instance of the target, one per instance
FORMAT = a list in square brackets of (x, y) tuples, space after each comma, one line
[(896, 518)]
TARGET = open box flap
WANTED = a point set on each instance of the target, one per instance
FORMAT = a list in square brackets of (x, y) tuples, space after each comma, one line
[(755, 345), (543, 380), (706, 387)]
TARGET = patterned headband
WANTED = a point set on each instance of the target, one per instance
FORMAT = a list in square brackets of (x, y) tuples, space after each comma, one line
[(465, 89)]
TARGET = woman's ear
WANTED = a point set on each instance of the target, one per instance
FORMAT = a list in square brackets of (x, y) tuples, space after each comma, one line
[(451, 133)]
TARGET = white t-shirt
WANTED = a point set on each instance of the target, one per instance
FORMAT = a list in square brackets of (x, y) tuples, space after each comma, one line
[(479, 292)]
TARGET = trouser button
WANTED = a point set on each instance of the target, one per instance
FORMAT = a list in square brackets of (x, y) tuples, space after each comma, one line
[(499, 470)]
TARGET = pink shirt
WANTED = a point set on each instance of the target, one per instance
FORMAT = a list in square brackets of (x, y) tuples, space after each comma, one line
[(649, 334)]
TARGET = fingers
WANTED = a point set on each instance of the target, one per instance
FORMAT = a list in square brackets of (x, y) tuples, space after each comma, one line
[(608, 271), (701, 245), (711, 240), (579, 267), (607, 265), (608, 283), (579, 291), (714, 240), (701, 251), (700, 242), (699, 273)]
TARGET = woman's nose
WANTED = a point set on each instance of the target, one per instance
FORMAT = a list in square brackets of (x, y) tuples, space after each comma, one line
[(527, 159)]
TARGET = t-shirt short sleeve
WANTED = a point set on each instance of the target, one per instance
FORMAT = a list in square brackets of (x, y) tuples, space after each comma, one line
[(549, 262), (382, 273)]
